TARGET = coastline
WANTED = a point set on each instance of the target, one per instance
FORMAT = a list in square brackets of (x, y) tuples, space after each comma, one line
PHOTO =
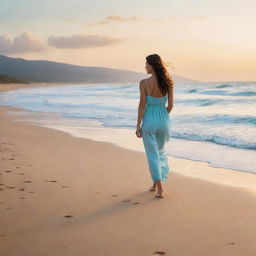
[(68, 178)]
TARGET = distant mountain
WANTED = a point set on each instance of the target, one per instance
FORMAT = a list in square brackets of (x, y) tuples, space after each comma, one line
[(56, 72), (8, 79)]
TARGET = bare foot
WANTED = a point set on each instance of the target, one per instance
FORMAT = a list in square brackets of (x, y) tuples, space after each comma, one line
[(160, 194), (153, 188)]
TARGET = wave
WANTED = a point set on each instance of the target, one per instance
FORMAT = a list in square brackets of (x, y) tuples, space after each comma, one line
[(192, 91), (232, 142), (207, 103), (115, 106), (227, 93), (105, 87), (85, 107), (217, 119), (224, 86), (238, 119), (221, 140), (214, 92), (246, 93), (232, 119), (201, 102)]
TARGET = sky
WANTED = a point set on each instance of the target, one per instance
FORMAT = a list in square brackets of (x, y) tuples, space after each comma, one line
[(205, 40)]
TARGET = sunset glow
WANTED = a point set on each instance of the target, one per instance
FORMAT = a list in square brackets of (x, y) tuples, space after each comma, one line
[(204, 40)]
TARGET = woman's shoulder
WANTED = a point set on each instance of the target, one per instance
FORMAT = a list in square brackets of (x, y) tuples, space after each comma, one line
[(143, 82)]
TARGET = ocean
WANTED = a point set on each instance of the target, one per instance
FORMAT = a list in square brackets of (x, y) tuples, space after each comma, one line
[(213, 122)]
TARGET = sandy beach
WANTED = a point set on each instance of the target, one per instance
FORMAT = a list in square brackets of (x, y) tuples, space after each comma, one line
[(62, 195)]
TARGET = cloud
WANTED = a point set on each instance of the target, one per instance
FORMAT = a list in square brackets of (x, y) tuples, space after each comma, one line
[(115, 18), (81, 41), (25, 42)]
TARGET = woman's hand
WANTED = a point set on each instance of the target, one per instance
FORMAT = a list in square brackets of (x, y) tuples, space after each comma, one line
[(168, 110), (139, 132)]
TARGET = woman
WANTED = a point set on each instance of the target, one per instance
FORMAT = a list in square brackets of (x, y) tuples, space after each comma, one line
[(155, 92)]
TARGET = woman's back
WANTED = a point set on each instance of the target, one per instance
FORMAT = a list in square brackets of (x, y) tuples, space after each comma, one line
[(153, 88), (155, 101), (156, 117)]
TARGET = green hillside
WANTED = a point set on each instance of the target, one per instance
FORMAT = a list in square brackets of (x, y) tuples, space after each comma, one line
[(4, 79)]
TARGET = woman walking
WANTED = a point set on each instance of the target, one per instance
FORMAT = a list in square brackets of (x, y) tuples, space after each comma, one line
[(155, 130)]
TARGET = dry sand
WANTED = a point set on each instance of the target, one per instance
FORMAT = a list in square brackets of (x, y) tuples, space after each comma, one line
[(62, 195)]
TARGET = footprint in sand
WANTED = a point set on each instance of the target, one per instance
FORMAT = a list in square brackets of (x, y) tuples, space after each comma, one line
[(114, 195), (10, 187), (50, 180), (17, 166), (31, 192), (64, 186), (4, 150), (27, 181), (136, 203), (1, 189), (1, 184), (8, 208), (8, 171), (21, 189), (69, 216), (22, 197), (126, 200), (11, 158), (231, 243), (1, 235), (159, 252), (1, 202)]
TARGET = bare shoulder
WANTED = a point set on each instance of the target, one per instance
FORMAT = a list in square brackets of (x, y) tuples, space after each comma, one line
[(142, 83)]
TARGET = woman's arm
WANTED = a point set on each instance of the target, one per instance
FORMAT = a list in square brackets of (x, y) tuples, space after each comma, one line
[(170, 99), (142, 104)]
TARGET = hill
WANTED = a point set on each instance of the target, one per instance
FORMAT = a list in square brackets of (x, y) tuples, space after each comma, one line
[(56, 72), (4, 79)]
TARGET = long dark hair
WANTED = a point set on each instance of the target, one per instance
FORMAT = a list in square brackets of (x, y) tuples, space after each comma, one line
[(163, 77)]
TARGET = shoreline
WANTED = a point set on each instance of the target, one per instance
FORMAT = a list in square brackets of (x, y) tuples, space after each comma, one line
[(89, 181), (225, 176), (215, 154), (219, 175)]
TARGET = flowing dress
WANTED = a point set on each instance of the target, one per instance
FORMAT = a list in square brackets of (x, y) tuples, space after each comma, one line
[(156, 132)]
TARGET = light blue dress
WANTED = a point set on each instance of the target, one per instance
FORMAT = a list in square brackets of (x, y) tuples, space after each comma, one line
[(156, 131)]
